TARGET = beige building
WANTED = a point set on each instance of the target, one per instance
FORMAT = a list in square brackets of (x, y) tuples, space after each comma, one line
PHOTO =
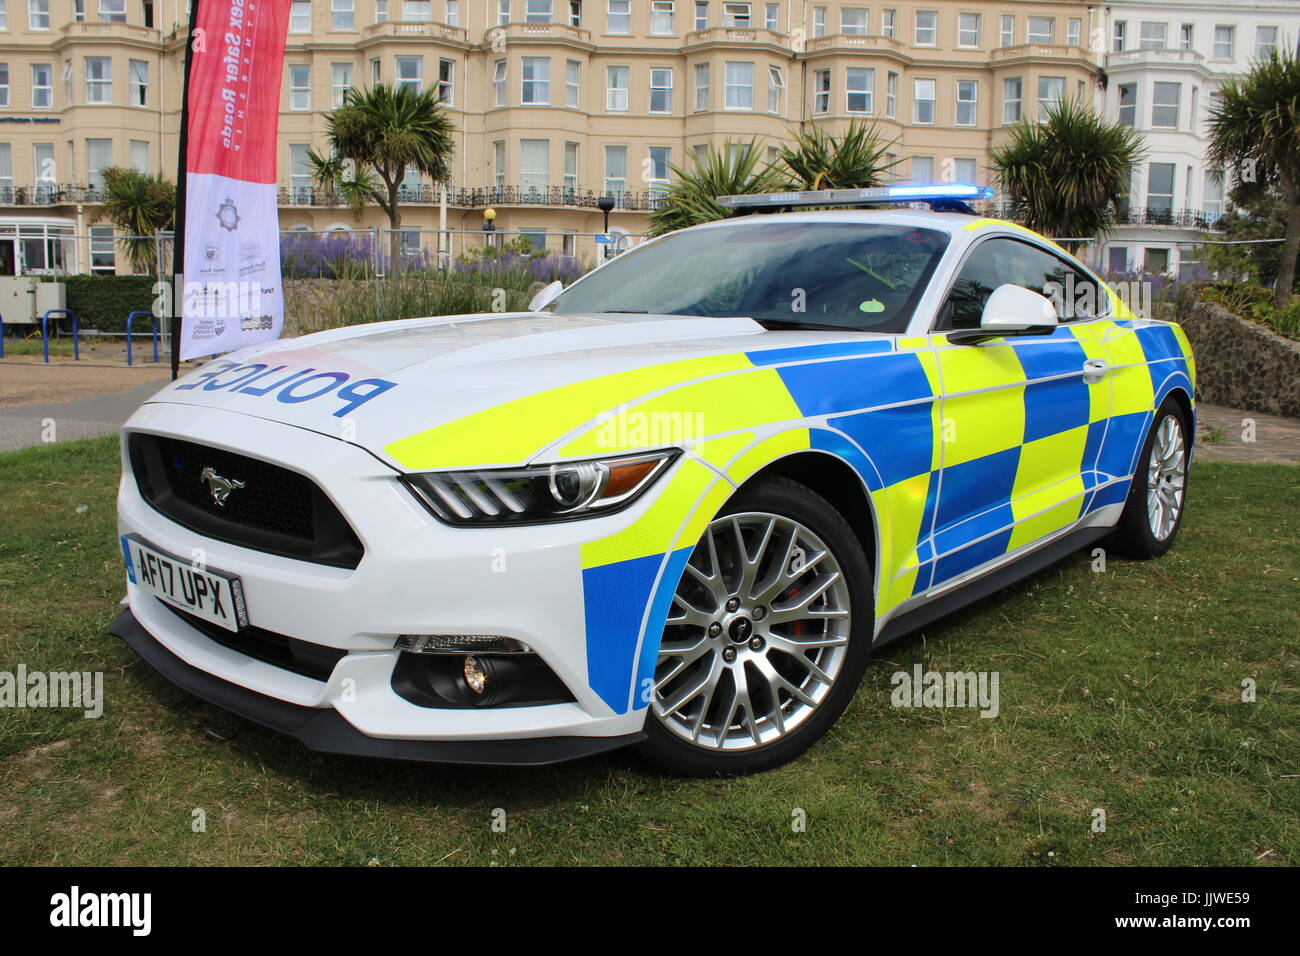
[(555, 102)]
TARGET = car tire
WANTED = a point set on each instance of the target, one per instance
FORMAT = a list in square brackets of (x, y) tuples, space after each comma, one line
[(1157, 497), (798, 550)]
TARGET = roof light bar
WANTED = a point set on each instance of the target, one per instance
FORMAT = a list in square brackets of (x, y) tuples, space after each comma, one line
[(938, 193)]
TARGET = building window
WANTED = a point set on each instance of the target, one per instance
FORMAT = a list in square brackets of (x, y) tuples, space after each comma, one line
[(772, 17), (1223, 41), (538, 11), (1117, 260), (1160, 187), (660, 156), (858, 89), (701, 16), (1186, 35), (570, 166), (99, 79), (1152, 36), (99, 156), (572, 83), (299, 173), (923, 102), (1155, 260), (410, 72), (1213, 194), (775, 89), (819, 22), (1051, 90), (822, 92), (499, 82), (300, 17), (1128, 100), (6, 172), (340, 82), (889, 23), (535, 86), (1119, 36), (1013, 91), (343, 14), (736, 15), (42, 86), (1164, 105), (138, 77), (1073, 31), (451, 15), (38, 14), (4, 85), (112, 11), (853, 20), (661, 17), (965, 170), (967, 102), (1008, 33), (616, 86), (618, 17), (503, 12), (740, 86), (923, 169), (381, 11), (103, 260), (499, 163), (376, 70), (891, 95), (615, 171), (968, 30), (46, 174), (1042, 30), (927, 27), (446, 82), (299, 87), (701, 87), (575, 13), (1265, 42), (415, 11), (534, 158), (661, 91)]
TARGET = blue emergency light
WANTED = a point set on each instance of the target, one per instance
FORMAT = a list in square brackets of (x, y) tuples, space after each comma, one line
[(950, 197)]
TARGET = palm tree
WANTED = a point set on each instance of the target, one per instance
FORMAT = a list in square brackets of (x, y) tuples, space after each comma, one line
[(1255, 133), (138, 205), (817, 160), (374, 137), (1069, 174), (692, 197)]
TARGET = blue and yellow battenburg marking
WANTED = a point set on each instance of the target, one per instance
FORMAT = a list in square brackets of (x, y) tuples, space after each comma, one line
[(965, 453)]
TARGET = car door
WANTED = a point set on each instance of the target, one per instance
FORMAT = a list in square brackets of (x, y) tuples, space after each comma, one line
[(1021, 417)]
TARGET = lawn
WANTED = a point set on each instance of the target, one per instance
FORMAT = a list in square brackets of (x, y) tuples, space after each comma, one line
[(1120, 690)]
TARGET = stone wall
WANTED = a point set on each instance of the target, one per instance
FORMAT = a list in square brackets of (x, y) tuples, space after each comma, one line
[(1241, 363)]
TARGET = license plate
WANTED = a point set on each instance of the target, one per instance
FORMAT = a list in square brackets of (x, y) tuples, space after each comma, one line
[(203, 592)]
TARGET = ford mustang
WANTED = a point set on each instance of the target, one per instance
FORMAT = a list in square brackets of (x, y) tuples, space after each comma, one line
[(677, 504)]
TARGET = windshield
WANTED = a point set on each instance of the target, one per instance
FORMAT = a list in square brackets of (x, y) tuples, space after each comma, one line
[(818, 275)]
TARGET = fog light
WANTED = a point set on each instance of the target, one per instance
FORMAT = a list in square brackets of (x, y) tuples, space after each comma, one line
[(476, 678), (460, 644)]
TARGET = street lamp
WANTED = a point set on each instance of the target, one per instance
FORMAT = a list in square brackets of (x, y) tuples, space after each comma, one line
[(489, 225), (605, 204)]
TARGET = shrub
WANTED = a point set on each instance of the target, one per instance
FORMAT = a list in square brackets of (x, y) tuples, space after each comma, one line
[(103, 302), (1254, 302)]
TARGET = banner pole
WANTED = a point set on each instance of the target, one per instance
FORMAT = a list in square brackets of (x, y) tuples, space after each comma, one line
[(182, 176)]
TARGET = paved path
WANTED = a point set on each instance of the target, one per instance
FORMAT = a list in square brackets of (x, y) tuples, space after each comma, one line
[(23, 425), (1276, 439)]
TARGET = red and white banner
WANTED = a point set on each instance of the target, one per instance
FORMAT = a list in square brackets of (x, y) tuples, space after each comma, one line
[(232, 295)]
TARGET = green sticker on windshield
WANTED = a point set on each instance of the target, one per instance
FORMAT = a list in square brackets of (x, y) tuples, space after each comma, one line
[(872, 305)]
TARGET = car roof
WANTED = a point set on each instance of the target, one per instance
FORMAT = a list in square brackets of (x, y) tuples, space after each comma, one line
[(945, 221)]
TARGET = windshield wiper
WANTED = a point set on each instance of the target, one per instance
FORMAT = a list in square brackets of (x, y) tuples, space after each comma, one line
[(779, 324), (622, 312)]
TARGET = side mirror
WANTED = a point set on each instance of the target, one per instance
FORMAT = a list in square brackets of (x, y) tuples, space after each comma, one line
[(545, 296), (1011, 310)]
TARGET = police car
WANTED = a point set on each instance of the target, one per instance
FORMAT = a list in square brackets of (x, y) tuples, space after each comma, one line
[(676, 504)]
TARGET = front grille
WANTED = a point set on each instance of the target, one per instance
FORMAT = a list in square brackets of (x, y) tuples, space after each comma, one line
[(274, 509), (302, 657)]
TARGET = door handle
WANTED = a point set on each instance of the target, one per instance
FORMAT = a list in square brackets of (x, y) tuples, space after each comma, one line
[(1095, 369)]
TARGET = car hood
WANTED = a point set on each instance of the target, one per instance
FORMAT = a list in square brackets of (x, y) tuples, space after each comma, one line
[(376, 385)]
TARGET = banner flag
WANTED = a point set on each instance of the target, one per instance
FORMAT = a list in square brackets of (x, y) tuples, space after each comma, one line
[(230, 233)]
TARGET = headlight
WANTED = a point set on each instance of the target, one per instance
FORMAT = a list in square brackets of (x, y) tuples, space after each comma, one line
[(559, 492)]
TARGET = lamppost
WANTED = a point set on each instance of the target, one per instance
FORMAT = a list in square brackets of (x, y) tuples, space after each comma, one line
[(489, 225), (605, 204)]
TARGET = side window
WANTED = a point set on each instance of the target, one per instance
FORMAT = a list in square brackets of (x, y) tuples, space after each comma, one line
[(996, 262)]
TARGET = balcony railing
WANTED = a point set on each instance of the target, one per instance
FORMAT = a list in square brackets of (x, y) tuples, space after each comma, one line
[(539, 31), (49, 195), (1159, 216), (420, 28), (470, 198), (736, 35), (853, 41), (1150, 56)]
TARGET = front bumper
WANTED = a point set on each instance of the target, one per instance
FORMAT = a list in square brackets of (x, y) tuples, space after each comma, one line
[(325, 730), (417, 576)]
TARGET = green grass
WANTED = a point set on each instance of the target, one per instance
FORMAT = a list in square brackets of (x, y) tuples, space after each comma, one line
[(1120, 690)]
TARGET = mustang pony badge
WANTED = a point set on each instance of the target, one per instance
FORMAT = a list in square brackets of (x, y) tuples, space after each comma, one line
[(220, 487)]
